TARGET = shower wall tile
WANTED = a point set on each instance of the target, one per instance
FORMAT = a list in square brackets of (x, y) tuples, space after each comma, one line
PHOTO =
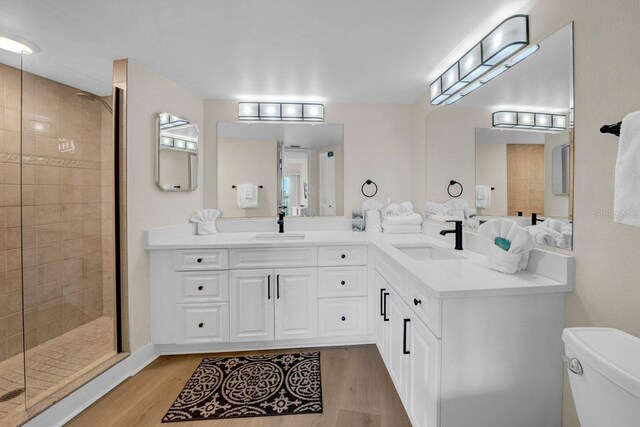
[(56, 210)]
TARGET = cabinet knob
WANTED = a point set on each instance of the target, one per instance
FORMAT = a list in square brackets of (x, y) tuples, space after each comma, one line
[(199, 260), (343, 283), (200, 287), (343, 318), (200, 325), (417, 301), (343, 256)]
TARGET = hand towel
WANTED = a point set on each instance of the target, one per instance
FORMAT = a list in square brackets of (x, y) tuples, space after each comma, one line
[(392, 210), (436, 208), (247, 196), (205, 220), (517, 257), (405, 208), (483, 197), (626, 206), (372, 221), (412, 219)]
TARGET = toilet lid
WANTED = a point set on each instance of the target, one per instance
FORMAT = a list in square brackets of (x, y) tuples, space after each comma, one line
[(613, 353)]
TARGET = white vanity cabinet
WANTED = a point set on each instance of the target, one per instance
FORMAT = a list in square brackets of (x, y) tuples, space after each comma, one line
[(267, 304)]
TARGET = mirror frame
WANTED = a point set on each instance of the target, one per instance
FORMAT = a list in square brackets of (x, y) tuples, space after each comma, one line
[(192, 159)]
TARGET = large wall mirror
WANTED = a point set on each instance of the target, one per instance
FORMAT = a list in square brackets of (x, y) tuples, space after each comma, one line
[(510, 144), (176, 153), (264, 168)]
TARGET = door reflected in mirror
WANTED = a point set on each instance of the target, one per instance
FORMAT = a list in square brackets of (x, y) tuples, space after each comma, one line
[(299, 166)]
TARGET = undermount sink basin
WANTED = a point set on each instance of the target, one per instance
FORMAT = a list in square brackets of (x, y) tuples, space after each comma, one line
[(427, 253), (278, 237)]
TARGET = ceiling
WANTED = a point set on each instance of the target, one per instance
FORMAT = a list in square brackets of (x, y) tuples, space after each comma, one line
[(303, 134), (542, 83), (328, 51)]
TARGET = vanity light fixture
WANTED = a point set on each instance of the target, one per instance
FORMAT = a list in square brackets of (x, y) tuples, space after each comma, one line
[(280, 111), (527, 120), (483, 60), (17, 44)]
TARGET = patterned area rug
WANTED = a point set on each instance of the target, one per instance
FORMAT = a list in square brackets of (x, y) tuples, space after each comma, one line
[(250, 386)]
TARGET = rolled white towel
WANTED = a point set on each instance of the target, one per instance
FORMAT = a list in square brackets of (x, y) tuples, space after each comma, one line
[(542, 236), (412, 219), (405, 208), (392, 210)]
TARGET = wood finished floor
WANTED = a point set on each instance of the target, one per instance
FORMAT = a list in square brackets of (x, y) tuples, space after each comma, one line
[(356, 388)]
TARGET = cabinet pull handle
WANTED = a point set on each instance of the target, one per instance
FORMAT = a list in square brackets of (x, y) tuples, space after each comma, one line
[(269, 287), (200, 325), (417, 301), (343, 318), (384, 313), (404, 337), (343, 256), (343, 283), (381, 303), (199, 260), (278, 286), (200, 288)]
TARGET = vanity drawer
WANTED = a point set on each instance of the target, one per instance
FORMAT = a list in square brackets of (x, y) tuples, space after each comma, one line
[(273, 257), (342, 316), (201, 259), (209, 286), (342, 281), (426, 307), (202, 323), (342, 255), (391, 273)]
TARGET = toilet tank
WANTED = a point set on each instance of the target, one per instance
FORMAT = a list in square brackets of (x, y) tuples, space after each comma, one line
[(607, 392)]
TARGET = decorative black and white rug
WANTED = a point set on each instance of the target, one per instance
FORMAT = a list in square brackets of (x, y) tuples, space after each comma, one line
[(250, 386)]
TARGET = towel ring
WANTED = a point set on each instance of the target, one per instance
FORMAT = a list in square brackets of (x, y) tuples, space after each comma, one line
[(451, 184), (369, 182)]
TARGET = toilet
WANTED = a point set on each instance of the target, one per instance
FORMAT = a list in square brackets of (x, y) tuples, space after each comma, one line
[(604, 371)]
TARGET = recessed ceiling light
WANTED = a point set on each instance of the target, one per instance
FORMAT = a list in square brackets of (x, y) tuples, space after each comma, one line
[(17, 44)]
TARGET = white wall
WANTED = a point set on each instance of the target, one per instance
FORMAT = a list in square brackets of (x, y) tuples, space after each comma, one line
[(554, 205), (147, 206), (491, 170), (377, 146)]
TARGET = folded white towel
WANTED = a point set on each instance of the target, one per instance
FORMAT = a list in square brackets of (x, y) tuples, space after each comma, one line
[(402, 229), (436, 208), (483, 197), (392, 210), (405, 208), (626, 206), (412, 219), (455, 205), (517, 258), (372, 221), (205, 220), (372, 205), (247, 196)]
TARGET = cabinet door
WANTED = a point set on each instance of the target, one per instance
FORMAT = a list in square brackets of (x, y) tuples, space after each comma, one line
[(423, 380), (296, 300), (381, 287), (398, 361), (251, 294)]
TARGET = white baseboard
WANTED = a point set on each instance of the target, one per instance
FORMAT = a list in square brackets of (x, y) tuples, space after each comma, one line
[(67, 408)]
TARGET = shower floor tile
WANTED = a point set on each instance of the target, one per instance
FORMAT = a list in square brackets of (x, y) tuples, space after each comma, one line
[(52, 365)]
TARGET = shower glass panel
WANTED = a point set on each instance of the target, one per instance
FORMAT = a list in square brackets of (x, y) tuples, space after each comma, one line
[(66, 161)]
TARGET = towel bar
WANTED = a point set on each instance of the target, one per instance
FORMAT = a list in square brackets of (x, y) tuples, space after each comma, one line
[(612, 129), (235, 186)]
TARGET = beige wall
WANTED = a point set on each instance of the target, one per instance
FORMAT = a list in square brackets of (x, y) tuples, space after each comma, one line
[(607, 291), (242, 161), (554, 205), (491, 170), (147, 206), (377, 146)]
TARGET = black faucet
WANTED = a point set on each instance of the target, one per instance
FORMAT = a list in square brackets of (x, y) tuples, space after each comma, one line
[(281, 222), (535, 219), (457, 230)]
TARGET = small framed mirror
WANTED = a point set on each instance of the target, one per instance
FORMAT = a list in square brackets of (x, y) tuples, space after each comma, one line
[(176, 153)]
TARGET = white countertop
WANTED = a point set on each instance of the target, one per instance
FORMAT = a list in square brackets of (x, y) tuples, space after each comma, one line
[(463, 277)]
